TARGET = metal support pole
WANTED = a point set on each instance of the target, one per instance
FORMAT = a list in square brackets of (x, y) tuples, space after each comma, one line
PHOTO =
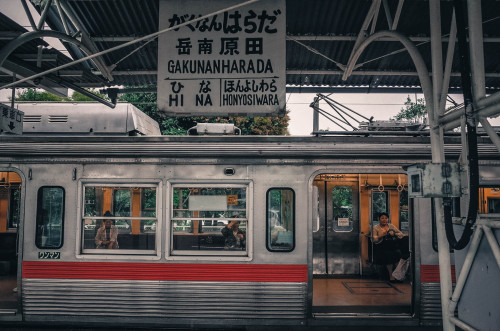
[(493, 243), (315, 106), (44, 14), (449, 62), (63, 18), (464, 273), (491, 132), (476, 48), (489, 101), (28, 13), (387, 14), (362, 33), (13, 91), (462, 325), (437, 145), (397, 15)]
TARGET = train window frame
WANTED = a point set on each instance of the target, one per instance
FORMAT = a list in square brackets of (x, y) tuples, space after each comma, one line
[(39, 218), (120, 254), (489, 202), (268, 222), (215, 255)]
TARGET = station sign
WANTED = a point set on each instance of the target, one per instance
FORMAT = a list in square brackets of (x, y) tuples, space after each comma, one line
[(229, 64), (11, 120)]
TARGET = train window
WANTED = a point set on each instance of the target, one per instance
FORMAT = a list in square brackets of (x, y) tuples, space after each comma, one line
[(121, 202), (119, 219), (379, 205), (489, 200), (342, 208), (148, 200), (209, 220), (50, 217), (493, 205), (280, 219)]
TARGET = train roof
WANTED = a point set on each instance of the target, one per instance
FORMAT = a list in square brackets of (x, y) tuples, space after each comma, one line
[(85, 118), (234, 147)]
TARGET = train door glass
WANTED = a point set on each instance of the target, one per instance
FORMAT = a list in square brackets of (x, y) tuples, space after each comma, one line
[(379, 205), (336, 243), (345, 277), (403, 212), (10, 217)]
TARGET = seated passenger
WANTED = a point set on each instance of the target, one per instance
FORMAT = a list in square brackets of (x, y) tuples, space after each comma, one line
[(234, 237), (107, 235), (276, 228), (390, 244)]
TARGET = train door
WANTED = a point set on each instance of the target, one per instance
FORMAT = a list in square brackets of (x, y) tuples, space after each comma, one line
[(336, 243), (10, 219), (348, 277)]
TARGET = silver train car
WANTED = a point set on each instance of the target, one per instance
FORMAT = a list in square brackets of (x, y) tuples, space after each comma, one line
[(306, 207)]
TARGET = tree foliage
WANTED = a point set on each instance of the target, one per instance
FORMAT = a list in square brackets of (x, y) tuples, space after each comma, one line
[(34, 95), (412, 110), (78, 97), (37, 95)]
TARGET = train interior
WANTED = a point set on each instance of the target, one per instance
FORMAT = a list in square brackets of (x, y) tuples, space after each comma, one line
[(10, 203), (348, 276)]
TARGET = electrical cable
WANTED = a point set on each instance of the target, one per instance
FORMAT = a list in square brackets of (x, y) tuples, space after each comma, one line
[(471, 141)]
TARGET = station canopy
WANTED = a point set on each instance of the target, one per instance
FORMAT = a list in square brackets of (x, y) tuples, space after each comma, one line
[(320, 38)]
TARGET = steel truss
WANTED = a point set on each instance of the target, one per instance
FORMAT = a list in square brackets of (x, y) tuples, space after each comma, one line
[(94, 55), (73, 34), (435, 93)]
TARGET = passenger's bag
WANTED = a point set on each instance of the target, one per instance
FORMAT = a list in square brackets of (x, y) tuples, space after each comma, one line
[(401, 269)]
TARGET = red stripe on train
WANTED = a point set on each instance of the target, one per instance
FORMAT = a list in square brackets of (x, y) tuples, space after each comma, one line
[(166, 271), (430, 274)]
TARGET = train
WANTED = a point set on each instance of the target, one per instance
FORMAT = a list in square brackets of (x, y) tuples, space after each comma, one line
[(306, 205)]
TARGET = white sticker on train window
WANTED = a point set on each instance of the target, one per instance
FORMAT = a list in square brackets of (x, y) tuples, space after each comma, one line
[(208, 202), (343, 221)]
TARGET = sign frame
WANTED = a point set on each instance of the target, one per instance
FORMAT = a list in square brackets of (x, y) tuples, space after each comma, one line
[(229, 64)]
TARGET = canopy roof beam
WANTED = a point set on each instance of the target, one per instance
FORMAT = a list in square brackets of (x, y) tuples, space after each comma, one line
[(291, 37)]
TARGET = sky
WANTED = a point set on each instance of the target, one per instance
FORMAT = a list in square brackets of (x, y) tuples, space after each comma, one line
[(380, 106)]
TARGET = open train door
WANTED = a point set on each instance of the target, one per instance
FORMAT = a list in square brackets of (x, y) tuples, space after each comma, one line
[(10, 220), (346, 278)]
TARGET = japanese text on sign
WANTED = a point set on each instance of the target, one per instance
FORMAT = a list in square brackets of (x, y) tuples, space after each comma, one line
[(49, 255), (229, 63), (11, 120)]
